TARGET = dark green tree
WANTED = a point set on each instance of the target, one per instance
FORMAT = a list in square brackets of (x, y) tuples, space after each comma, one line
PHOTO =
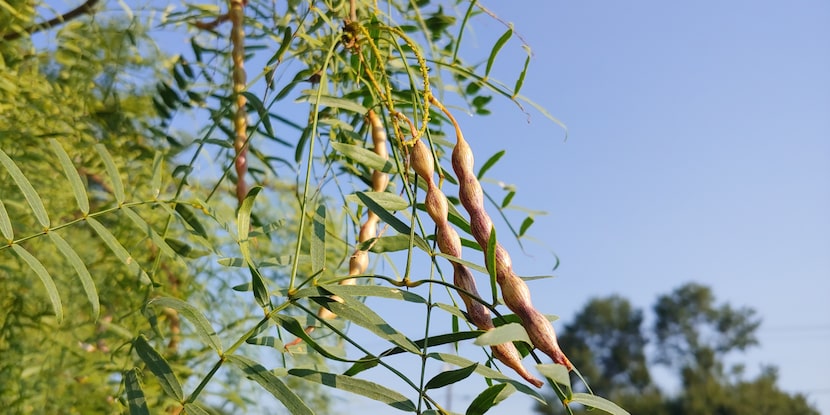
[(692, 334)]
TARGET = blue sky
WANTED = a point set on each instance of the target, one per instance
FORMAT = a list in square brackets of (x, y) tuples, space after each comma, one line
[(698, 150)]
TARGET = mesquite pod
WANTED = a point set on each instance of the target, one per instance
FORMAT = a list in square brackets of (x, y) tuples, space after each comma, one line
[(515, 291), (359, 260), (236, 15), (450, 243)]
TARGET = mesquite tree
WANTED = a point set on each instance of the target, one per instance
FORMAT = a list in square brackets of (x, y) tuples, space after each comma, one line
[(247, 246)]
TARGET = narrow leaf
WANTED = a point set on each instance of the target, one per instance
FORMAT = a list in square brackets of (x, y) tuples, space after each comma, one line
[(118, 250), (556, 373), (26, 187), (521, 80), (156, 363), (83, 274), (375, 291), (597, 402), (360, 314), (496, 48), (525, 225), (6, 223), (269, 341), (202, 326), (490, 262), (155, 182), (450, 376), (72, 174), (335, 102), (291, 325), (356, 386), (112, 172), (243, 227), (505, 333), (255, 102), (191, 219), (135, 395), (365, 157), (386, 200), (490, 373), (150, 232), (489, 163), (489, 398), (389, 218), (45, 278), (270, 383), (191, 408), (318, 239)]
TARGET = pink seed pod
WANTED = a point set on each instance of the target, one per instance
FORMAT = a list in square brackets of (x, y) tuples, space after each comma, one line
[(449, 243), (515, 291)]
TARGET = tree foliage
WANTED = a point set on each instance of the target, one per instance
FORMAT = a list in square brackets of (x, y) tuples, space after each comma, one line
[(172, 220), (692, 335)]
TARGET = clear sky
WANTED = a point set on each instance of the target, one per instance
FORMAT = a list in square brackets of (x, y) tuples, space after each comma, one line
[(698, 150)]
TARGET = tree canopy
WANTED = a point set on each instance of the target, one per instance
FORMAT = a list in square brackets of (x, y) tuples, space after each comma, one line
[(694, 336)]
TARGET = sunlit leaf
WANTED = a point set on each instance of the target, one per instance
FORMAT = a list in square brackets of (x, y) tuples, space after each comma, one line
[(489, 398), (112, 172), (135, 395), (28, 191), (118, 250), (448, 377), (83, 274), (270, 383), (202, 326), (45, 278), (72, 174), (365, 388), (5, 223), (159, 366), (365, 157), (597, 402)]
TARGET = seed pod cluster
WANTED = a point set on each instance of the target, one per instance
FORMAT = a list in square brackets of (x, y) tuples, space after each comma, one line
[(450, 243), (240, 120), (515, 291), (359, 260)]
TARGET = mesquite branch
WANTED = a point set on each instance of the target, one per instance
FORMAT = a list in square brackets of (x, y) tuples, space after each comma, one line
[(450, 243), (515, 291), (86, 8), (236, 14), (359, 260)]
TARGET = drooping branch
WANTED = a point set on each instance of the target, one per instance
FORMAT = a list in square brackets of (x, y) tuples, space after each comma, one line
[(86, 8)]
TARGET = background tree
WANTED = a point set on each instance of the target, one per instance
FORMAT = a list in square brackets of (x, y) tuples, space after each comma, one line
[(694, 336)]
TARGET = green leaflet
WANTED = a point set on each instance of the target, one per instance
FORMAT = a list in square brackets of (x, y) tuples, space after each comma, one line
[(156, 363), (28, 191), (72, 174), (365, 157), (360, 314), (334, 102), (243, 227), (489, 398), (495, 51), (118, 250), (45, 278), (271, 383), (112, 172), (202, 326), (597, 402), (6, 223), (449, 377), (83, 274), (318, 239), (362, 387), (487, 372), (135, 395)]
